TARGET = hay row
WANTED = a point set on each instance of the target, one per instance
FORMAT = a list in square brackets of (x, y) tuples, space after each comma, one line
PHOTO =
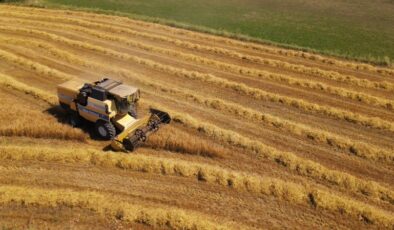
[(290, 160), (287, 159), (241, 88), (332, 75), (287, 191), (338, 91), (103, 19), (32, 123), (33, 66), (363, 150), (8, 81), (360, 149), (302, 166), (22, 122), (107, 205)]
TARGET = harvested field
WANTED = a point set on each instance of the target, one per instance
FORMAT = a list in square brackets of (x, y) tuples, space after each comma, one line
[(262, 137)]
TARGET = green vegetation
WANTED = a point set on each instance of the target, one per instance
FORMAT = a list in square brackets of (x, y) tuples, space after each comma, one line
[(358, 29)]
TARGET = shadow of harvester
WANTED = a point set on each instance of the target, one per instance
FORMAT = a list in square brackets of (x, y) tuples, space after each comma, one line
[(63, 117)]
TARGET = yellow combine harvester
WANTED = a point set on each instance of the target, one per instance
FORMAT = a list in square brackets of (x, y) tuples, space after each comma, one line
[(111, 106)]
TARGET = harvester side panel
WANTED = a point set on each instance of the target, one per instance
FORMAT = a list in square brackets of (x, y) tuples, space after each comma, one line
[(68, 91), (94, 110)]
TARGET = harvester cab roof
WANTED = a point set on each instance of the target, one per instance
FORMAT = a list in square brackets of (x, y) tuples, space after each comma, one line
[(108, 87)]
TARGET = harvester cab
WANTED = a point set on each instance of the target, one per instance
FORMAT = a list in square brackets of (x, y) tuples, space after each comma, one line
[(112, 107)]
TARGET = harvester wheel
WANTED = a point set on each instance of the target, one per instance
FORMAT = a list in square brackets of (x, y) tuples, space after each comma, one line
[(74, 119), (105, 130)]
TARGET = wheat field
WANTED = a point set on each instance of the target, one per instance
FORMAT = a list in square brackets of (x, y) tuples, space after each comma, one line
[(262, 137)]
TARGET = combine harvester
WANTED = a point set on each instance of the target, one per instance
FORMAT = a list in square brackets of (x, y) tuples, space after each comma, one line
[(111, 106)]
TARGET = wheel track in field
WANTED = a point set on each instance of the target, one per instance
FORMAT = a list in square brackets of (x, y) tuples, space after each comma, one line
[(231, 42), (224, 83)]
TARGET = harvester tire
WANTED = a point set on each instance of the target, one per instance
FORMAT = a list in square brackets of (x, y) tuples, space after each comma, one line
[(105, 130), (74, 119)]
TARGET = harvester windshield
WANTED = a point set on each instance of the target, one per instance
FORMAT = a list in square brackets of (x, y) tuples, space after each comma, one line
[(133, 98), (125, 97), (123, 105)]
